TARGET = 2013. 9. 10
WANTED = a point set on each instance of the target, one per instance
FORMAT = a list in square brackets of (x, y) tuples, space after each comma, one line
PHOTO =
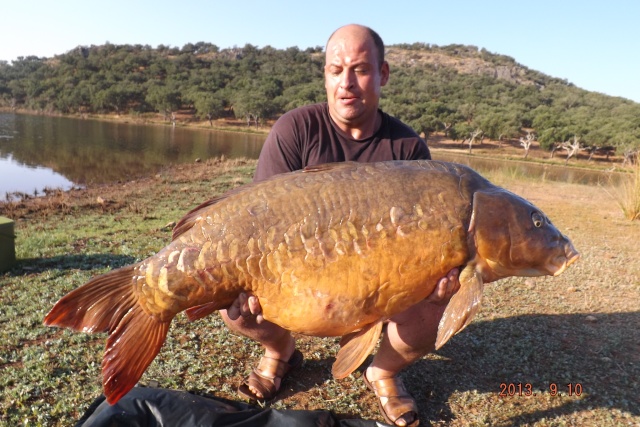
[(526, 389)]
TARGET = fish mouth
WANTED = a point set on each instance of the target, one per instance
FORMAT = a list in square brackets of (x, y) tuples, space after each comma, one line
[(571, 256)]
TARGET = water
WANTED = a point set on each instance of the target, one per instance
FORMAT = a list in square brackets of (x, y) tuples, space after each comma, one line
[(17, 177), (548, 172), (38, 152)]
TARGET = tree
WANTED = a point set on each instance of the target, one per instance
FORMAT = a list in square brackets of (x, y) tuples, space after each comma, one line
[(572, 147), (255, 83), (208, 105), (425, 124), (526, 142), (630, 155), (302, 94), (251, 106), (164, 99), (257, 99), (116, 97), (473, 136)]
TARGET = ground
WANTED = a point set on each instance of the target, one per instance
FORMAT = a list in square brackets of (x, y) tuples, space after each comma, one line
[(542, 351)]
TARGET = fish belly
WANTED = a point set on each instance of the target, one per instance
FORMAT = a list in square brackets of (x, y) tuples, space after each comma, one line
[(328, 252)]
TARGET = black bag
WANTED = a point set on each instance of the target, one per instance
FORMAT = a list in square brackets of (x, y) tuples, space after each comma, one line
[(156, 407)]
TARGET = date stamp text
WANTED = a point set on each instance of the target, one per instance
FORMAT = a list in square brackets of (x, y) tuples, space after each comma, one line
[(527, 390)]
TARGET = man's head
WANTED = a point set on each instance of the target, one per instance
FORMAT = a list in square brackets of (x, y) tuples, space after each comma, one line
[(355, 71)]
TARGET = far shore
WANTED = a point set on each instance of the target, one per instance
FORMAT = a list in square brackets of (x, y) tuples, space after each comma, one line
[(183, 119), (507, 149)]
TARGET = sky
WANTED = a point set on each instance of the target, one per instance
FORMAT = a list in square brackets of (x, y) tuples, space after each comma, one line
[(593, 44)]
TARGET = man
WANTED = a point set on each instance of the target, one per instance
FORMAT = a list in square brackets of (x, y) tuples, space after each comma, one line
[(348, 127)]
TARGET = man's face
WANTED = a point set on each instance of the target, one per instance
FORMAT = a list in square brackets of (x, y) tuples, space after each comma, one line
[(353, 79)]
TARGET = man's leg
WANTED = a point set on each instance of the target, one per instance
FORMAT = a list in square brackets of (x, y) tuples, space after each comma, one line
[(278, 343), (410, 335)]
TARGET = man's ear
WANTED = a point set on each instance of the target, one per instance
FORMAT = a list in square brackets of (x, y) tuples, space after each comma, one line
[(384, 73)]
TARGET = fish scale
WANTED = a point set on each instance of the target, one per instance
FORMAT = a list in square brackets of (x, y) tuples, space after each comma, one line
[(330, 251)]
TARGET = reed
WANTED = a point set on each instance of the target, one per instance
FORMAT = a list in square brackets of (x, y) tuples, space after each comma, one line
[(627, 194)]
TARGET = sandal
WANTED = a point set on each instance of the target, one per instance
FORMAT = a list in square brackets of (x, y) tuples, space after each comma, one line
[(399, 401), (266, 384)]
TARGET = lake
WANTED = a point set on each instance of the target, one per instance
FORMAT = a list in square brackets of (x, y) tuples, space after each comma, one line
[(38, 152), (548, 172)]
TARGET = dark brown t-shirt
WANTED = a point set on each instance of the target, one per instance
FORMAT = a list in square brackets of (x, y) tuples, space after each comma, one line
[(307, 136)]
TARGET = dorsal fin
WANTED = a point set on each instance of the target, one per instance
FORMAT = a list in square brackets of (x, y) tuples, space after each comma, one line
[(329, 166), (187, 221), (354, 349)]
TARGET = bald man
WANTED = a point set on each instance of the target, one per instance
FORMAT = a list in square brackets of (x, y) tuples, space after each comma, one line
[(348, 127)]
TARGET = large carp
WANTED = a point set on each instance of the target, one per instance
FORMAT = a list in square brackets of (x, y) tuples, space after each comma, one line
[(333, 250)]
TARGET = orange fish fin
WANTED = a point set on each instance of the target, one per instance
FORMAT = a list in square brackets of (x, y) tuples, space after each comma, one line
[(107, 303), (200, 311), (354, 349), (190, 217), (462, 307), (131, 347), (98, 305)]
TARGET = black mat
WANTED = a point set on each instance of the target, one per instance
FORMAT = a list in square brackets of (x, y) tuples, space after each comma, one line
[(155, 407)]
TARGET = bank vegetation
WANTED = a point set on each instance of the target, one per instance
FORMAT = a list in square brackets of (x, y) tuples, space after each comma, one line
[(463, 92)]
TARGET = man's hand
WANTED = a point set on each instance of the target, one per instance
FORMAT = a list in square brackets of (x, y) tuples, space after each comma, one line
[(446, 287), (245, 306)]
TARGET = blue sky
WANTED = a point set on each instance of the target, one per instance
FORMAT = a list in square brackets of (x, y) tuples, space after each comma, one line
[(592, 44)]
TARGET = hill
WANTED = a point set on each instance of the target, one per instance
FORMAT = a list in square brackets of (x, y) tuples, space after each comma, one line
[(467, 60), (461, 91)]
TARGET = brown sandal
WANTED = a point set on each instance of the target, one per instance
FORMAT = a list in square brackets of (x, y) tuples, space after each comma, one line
[(266, 384), (399, 401)]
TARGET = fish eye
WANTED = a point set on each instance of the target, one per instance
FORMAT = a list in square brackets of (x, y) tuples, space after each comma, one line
[(538, 219)]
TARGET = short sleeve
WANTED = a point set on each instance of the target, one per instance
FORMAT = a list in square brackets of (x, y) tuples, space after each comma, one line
[(419, 151), (281, 151)]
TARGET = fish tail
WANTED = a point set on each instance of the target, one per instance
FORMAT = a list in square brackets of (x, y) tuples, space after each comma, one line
[(98, 305), (130, 350), (107, 303)]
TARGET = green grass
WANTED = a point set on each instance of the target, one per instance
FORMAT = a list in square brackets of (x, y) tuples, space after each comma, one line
[(47, 374), (529, 330)]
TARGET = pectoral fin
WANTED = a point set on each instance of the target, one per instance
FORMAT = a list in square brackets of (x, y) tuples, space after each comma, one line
[(462, 307), (354, 349)]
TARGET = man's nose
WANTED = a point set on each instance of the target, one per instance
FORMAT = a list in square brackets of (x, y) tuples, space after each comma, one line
[(346, 79)]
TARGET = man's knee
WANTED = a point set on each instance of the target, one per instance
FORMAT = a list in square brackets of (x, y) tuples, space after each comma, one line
[(423, 314)]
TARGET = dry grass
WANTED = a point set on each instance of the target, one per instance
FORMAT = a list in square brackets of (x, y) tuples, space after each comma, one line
[(580, 328), (627, 195)]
